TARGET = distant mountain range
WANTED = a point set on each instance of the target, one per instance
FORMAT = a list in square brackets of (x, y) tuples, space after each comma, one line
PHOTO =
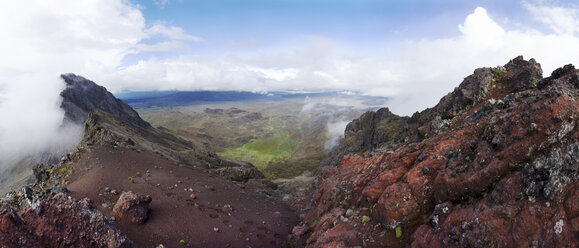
[(183, 98)]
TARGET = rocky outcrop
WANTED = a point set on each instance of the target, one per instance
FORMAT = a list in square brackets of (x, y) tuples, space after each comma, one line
[(133, 207), (494, 164), (373, 130), (82, 96), (239, 171), (59, 222)]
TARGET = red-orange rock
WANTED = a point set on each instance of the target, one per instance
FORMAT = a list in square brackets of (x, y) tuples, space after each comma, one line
[(300, 230), (494, 164), (133, 207), (397, 205), (62, 222)]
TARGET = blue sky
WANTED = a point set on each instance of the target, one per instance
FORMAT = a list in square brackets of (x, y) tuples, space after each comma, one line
[(277, 21), (363, 24)]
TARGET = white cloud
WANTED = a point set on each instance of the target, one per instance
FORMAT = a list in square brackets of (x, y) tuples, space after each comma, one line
[(42, 39), (563, 21), (416, 76), (39, 41), (161, 3), (276, 74), (479, 28), (431, 68), (314, 66), (335, 131), (35, 34), (171, 32), (164, 46)]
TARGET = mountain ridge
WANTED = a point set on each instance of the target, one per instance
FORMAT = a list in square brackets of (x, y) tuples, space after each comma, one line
[(496, 155), (499, 154), (121, 151)]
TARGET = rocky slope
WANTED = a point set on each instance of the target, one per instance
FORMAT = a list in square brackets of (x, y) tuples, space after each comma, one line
[(193, 194), (494, 164)]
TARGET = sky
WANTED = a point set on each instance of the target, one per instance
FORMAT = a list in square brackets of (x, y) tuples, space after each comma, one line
[(412, 51)]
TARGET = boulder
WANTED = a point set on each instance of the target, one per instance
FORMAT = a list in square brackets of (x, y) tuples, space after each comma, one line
[(133, 207)]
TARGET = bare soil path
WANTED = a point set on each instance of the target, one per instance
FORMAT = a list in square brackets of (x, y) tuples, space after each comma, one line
[(223, 213)]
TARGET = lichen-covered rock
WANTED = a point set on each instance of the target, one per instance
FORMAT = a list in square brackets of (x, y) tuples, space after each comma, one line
[(133, 207), (549, 175), (494, 164), (63, 222)]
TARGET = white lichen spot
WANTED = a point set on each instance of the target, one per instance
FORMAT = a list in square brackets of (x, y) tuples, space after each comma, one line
[(559, 226), (435, 220), (445, 210)]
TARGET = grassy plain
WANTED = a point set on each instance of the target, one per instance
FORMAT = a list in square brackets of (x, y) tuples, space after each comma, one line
[(281, 138)]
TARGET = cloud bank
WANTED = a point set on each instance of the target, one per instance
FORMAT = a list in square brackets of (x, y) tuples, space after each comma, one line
[(41, 40), (415, 75)]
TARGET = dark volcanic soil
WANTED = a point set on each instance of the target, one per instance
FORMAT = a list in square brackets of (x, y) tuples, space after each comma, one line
[(224, 213)]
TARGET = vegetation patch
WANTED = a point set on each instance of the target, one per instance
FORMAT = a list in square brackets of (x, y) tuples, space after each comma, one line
[(277, 137), (398, 231), (261, 152), (365, 219)]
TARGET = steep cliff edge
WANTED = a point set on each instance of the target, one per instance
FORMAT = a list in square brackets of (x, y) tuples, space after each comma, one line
[(494, 164), (82, 96)]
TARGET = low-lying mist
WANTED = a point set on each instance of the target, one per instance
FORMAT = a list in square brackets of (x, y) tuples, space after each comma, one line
[(32, 129), (335, 133), (337, 113)]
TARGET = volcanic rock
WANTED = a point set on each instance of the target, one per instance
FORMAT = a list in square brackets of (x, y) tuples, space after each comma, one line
[(300, 230), (63, 222), (133, 207), (493, 164), (40, 173)]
